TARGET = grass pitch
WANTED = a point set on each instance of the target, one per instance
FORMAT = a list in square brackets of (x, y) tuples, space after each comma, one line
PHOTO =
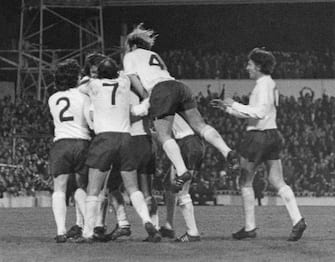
[(26, 234)]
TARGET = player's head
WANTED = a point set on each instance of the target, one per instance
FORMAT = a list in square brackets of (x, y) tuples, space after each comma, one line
[(260, 61), (67, 74), (91, 64), (108, 69), (140, 38)]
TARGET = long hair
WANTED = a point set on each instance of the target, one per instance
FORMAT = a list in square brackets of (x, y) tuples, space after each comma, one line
[(67, 74), (264, 59), (141, 37)]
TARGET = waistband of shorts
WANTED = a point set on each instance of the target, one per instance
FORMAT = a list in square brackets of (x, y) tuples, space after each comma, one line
[(72, 139)]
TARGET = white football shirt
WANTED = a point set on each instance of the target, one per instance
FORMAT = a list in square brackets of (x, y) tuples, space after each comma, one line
[(148, 66), (181, 128), (111, 101), (137, 128), (67, 110), (261, 111)]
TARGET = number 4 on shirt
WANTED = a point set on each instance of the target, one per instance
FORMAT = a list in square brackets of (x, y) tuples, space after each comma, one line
[(156, 61)]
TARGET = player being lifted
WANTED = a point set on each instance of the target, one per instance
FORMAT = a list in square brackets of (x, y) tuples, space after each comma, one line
[(262, 143), (68, 153), (149, 76), (110, 95)]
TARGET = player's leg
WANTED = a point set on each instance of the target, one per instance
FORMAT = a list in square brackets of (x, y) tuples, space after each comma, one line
[(100, 225), (275, 171), (170, 201), (96, 179), (146, 188), (187, 210), (123, 226), (210, 134), (59, 205), (80, 198), (136, 196), (163, 127), (164, 102), (248, 200)]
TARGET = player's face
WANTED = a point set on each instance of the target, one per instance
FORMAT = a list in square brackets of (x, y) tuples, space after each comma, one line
[(252, 69), (94, 71)]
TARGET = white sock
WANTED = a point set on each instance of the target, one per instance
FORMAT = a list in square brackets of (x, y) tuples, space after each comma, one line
[(213, 137), (140, 206), (170, 201), (59, 210), (120, 212), (188, 213), (290, 202), (155, 220), (172, 150), (248, 197), (100, 220), (80, 198), (92, 208)]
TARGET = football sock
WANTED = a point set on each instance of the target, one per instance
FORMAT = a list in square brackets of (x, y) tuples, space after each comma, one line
[(155, 220), (290, 202), (172, 150), (213, 137), (59, 210), (100, 220), (188, 213), (92, 208), (140, 206), (120, 212), (248, 197), (80, 198), (170, 201)]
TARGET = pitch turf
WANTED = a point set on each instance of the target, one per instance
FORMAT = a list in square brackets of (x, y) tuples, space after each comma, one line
[(27, 235)]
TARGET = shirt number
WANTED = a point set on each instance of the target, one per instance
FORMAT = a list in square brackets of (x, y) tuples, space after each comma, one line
[(63, 118), (115, 87), (156, 61)]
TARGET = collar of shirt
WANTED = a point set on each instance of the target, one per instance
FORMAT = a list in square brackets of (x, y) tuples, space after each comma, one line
[(263, 79)]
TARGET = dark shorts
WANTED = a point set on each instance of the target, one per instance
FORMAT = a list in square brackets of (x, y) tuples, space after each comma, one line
[(170, 97), (144, 154), (192, 150), (68, 156), (259, 146), (108, 149)]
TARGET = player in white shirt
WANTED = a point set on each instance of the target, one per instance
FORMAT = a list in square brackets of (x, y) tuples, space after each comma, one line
[(262, 143), (149, 76), (144, 155), (192, 150), (68, 153), (90, 71), (110, 95)]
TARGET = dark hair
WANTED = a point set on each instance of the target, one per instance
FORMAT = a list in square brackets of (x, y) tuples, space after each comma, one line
[(139, 42), (92, 59), (264, 59), (108, 69), (67, 74)]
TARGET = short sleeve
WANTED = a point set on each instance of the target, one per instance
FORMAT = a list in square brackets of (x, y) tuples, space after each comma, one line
[(129, 65)]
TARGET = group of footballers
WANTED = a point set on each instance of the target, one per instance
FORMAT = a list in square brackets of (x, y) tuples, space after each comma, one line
[(103, 136)]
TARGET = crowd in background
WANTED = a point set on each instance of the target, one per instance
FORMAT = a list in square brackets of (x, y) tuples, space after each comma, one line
[(307, 125), (201, 64)]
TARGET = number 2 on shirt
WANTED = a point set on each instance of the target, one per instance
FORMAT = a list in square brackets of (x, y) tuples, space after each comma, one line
[(63, 118)]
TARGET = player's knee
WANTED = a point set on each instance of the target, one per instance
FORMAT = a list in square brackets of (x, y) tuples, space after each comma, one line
[(205, 130), (184, 199)]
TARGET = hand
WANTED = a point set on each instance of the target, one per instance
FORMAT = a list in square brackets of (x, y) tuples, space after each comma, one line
[(217, 103), (228, 101)]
